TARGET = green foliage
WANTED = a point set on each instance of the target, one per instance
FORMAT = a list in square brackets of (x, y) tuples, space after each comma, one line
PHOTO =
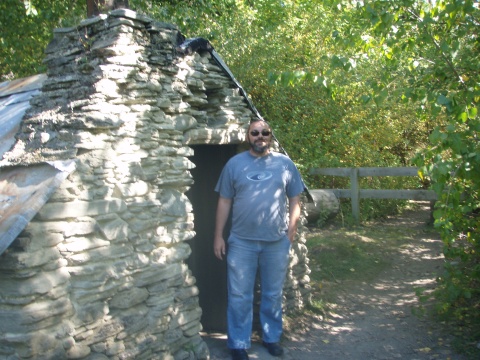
[(26, 29), (192, 16), (435, 47)]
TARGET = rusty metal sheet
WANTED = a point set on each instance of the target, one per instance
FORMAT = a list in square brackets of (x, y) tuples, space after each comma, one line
[(30, 83), (14, 101), (10, 119), (23, 191)]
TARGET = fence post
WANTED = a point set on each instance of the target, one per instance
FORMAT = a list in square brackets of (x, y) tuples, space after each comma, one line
[(355, 194)]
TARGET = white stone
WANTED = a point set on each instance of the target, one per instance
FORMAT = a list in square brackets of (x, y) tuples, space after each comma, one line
[(129, 298), (75, 209), (79, 244), (116, 229), (138, 188)]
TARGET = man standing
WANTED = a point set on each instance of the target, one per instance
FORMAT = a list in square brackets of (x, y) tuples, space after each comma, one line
[(257, 185)]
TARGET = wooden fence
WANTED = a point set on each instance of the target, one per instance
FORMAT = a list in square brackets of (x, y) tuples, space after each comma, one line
[(355, 193)]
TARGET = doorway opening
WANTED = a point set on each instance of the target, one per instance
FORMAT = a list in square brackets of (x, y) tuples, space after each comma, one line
[(210, 272)]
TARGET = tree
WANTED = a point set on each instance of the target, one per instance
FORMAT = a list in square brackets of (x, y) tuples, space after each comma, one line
[(432, 50), (95, 7), (26, 27)]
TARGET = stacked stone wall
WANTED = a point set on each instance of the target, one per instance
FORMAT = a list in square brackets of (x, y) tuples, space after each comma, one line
[(100, 272)]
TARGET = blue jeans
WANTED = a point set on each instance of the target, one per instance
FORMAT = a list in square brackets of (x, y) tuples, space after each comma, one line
[(244, 257)]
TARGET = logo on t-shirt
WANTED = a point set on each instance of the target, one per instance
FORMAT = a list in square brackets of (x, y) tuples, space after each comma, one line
[(259, 175)]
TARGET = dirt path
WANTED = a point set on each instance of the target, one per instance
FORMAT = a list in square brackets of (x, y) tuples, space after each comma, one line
[(373, 320)]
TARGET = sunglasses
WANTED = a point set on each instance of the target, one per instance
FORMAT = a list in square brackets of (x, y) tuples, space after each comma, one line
[(264, 132)]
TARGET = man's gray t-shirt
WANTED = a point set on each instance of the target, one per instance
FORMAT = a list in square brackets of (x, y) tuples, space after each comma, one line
[(259, 187)]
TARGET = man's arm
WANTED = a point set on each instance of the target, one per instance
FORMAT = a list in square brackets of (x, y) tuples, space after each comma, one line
[(223, 210), (294, 215)]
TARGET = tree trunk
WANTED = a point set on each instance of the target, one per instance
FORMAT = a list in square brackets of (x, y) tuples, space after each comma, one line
[(326, 206), (96, 7)]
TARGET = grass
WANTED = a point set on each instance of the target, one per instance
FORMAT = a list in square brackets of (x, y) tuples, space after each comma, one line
[(358, 254), (339, 255), (345, 257)]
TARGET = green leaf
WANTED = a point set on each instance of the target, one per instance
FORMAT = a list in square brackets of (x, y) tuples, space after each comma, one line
[(365, 98), (443, 100), (472, 112)]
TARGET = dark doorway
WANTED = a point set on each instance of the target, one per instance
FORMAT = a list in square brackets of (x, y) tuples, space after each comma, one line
[(208, 270)]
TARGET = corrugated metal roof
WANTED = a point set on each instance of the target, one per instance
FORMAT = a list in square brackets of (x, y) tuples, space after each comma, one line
[(14, 101), (23, 190)]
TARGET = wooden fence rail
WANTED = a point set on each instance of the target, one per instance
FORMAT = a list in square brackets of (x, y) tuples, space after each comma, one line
[(355, 193)]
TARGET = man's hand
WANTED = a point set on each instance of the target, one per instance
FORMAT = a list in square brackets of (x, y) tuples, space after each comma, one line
[(292, 232), (219, 247), (223, 210), (294, 212)]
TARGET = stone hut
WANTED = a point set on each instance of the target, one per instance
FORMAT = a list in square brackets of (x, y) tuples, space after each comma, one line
[(106, 196)]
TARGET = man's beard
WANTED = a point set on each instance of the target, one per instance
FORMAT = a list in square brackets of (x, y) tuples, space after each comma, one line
[(259, 149)]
